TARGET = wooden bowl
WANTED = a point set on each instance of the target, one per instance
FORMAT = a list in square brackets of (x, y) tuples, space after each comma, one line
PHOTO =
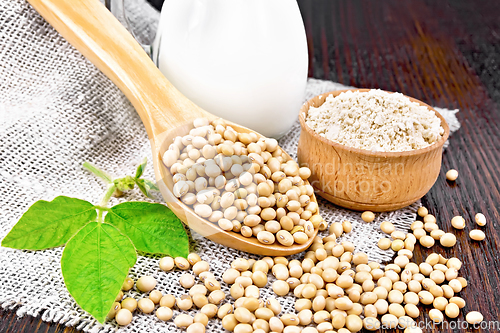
[(364, 180)]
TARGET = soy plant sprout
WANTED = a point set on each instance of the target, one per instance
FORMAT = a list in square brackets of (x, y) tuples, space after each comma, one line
[(101, 241)]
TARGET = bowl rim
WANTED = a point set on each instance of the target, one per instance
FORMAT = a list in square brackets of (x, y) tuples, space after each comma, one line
[(436, 145)]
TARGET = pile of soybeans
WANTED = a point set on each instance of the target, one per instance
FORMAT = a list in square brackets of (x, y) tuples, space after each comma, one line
[(243, 183), (336, 290)]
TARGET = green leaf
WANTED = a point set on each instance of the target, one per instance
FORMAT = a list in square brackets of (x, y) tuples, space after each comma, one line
[(142, 186), (151, 185), (153, 228), (146, 186), (94, 264), (141, 167), (48, 224)]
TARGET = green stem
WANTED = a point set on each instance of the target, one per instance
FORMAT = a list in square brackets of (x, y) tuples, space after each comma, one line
[(109, 192), (98, 172), (104, 201)]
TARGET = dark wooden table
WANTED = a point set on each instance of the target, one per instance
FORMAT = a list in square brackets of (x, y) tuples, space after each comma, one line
[(445, 53)]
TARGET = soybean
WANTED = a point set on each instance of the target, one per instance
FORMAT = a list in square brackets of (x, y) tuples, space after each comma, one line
[(458, 222), (164, 313), (480, 219), (368, 216), (477, 235), (448, 240), (452, 175), (123, 317), (474, 317), (146, 283), (387, 227)]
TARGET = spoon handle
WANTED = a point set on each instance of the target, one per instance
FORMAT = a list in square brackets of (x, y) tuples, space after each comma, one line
[(101, 38)]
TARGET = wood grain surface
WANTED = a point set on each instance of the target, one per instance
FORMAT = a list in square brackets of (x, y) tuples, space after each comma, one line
[(447, 54)]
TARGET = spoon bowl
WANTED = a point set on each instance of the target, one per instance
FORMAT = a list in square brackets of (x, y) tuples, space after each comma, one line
[(204, 227), (164, 111)]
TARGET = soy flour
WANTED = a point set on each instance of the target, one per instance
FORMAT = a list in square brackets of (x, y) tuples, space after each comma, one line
[(375, 120)]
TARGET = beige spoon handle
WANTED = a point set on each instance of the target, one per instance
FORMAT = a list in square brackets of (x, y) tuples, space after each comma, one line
[(100, 37)]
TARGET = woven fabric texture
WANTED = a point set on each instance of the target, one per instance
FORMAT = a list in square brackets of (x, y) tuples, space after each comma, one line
[(57, 111)]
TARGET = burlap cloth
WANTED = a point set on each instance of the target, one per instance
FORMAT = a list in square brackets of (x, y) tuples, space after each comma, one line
[(57, 110)]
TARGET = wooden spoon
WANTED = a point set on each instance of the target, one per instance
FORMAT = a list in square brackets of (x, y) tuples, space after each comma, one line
[(165, 112)]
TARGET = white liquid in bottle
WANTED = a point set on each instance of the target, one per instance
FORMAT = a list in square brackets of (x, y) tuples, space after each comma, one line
[(242, 60)]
